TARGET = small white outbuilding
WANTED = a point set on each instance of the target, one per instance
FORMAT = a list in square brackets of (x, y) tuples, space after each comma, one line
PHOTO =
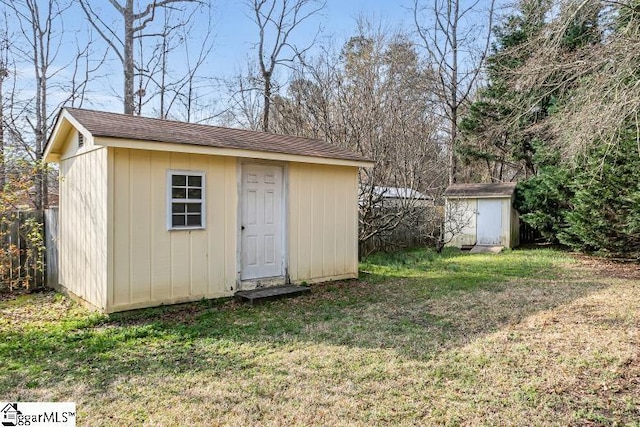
[(481, 215), (158, 212)]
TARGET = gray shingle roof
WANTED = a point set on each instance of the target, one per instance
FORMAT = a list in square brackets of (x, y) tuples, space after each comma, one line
[(114, 125), (500, 189)]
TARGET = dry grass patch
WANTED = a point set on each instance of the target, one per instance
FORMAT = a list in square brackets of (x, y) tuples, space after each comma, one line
[(522, 338)]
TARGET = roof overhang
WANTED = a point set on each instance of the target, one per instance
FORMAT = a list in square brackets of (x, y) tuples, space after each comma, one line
[(476, 196), (499, 190), (226, 152), (65, 123)]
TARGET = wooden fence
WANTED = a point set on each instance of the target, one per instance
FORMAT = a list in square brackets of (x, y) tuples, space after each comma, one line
[(28, 249), (419, 227), (529, 234)]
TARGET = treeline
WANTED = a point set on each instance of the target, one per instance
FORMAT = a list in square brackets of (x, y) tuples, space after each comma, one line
[(560, 113), (542, 92), (395, 96)]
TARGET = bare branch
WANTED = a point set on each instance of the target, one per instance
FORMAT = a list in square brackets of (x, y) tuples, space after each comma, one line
[(280, 18), (98, 24)]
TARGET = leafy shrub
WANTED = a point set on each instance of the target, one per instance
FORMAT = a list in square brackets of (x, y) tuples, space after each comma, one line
[(22, 247)]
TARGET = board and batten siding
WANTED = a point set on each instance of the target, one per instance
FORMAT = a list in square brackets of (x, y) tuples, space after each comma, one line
[(82, 228), (323, 222), (152, 265)]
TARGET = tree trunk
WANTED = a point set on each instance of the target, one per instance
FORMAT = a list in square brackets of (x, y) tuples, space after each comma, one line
[(3, 179), (39, 64), (128, 65), (452, 163), (454, 93), (445, 38), (267, 102), (41, 135), (163, 77)]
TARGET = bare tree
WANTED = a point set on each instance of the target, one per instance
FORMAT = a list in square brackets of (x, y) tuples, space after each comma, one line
[(594, 77), (386, 105), (276, 21), (40, 27), (84, 70), (182, 93), (246, 108), (4, 74), (456, 46), (135, 21), (373, 97), (37, 36)]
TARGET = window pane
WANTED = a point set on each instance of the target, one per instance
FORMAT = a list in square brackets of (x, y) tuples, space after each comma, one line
[(179, 180), (179, 193), (177, 208), (195, 193), (185, 187), (194, 220), (178, 220), (194, 207), (195, 181)]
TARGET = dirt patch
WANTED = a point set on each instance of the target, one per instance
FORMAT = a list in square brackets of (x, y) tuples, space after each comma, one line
[(607, 268)]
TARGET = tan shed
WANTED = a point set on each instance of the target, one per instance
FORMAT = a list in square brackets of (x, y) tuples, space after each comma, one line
[(481, 215), (159, 212)]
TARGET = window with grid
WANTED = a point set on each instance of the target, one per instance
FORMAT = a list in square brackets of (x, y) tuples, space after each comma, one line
[(186, 200)]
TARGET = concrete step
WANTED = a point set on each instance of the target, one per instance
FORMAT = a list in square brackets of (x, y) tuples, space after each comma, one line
[(259, 295), (479, 249)]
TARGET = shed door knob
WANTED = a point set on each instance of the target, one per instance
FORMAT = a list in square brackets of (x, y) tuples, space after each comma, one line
[(242, 227)]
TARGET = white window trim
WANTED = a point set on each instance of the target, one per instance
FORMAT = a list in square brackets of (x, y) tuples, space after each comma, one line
[(171, 200)]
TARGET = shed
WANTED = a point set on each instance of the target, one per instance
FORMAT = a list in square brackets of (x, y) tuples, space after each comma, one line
[(158, 212), (481, 214)]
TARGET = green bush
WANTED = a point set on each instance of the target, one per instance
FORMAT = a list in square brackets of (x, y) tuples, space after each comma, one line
[(592, 204), (605, 209), (544, 199)]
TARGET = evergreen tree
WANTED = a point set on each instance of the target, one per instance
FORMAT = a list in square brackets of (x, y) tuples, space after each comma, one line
[(510, 120), (496, 130), (543, 200), (605, 210)]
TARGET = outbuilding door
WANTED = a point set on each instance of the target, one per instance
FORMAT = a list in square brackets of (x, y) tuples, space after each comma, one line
[(489, 222), (262, 222)]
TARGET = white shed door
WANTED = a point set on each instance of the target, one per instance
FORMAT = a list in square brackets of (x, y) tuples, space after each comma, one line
[(489, 224), (262, 222)]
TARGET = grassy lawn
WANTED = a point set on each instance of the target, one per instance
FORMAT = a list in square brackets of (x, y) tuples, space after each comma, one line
[(527, 337)]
